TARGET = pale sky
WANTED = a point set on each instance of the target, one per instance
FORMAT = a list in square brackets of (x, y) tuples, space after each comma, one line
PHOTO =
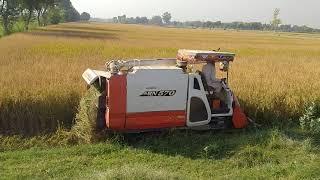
[(300, 12)]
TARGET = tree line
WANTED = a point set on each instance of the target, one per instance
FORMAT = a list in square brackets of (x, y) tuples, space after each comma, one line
[(43, 12), (165, 19)]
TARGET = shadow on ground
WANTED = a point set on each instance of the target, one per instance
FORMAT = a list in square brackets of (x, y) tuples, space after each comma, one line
[(194, 145), (89, 28), (225, 143), (68, 33), (221, 144)]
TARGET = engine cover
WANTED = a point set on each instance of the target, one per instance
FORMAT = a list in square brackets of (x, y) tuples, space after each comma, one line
[(156, 97)]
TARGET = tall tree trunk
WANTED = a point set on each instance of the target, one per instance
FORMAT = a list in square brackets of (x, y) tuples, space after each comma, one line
[(28, 20), (2, 14), (44, 15), (38, 17), (6, 24)]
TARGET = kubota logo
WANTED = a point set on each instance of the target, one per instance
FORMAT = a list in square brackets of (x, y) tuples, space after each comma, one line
[(159, 93)]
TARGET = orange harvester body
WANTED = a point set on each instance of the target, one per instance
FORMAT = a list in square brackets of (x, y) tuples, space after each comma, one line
[(161, 93)]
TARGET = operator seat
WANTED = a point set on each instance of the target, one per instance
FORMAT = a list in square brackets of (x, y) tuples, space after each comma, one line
[(207, 88), (211, 96)]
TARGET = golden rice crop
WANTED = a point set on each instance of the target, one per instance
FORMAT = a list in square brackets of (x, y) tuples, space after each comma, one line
[(274, 74)]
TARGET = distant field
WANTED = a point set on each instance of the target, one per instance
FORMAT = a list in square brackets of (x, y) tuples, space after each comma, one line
[(274, 74)]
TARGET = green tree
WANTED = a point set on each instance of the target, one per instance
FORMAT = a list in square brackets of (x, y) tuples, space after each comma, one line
[(55, 15), (70, 13), (166, 17), (42, 7), (9, 11), (115, 20), (156, 20), (122, 19), (276, 21), (28, 10), (144, 20), (141, 20), (85, 16)]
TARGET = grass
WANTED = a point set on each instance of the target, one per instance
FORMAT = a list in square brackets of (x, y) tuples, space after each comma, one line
[(248, 154), (18, 26), (275, 75)]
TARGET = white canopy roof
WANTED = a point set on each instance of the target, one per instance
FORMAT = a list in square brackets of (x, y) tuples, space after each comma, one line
[(200, 56)]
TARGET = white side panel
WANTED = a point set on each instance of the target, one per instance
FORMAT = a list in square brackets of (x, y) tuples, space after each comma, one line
[(156, 90)]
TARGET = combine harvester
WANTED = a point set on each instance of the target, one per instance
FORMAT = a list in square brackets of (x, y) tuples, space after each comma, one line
[(153, 94)]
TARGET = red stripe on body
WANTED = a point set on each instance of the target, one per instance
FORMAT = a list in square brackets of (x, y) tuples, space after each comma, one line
[(116, 102), (155, 120)]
